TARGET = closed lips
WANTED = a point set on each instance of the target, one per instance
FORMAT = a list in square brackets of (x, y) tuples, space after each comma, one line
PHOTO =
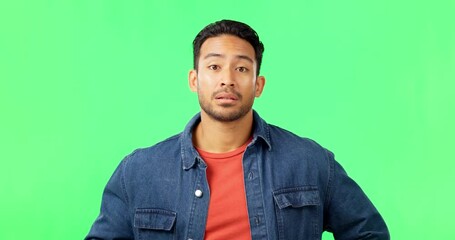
[(226, 96)]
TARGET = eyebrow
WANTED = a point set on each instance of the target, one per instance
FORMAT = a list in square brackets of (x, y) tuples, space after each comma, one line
[(222, 56)]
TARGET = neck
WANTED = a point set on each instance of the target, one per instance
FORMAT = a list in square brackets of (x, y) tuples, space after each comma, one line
[(219, 137)]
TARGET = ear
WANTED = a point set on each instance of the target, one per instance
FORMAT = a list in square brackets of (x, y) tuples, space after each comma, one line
[(192, 80), (260, 83)]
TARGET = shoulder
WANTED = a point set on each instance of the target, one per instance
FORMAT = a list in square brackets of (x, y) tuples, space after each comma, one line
[(285, 140), (300, 153), (164, 152), (299, 160)]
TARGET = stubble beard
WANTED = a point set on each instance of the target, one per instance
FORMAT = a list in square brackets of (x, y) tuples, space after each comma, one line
[(225, 114)]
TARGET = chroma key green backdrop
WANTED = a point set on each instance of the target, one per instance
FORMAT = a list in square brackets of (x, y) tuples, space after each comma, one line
[(85, 82)]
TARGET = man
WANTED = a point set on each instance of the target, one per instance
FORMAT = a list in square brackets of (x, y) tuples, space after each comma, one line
[(229, 174)]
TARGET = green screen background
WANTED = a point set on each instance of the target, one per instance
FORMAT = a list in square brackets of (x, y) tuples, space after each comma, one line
[(85, 82)]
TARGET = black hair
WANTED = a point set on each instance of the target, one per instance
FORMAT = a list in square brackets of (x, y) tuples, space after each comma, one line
[(228, 27)]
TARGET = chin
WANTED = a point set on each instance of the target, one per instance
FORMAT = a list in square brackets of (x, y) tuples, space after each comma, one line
[(225, 115)]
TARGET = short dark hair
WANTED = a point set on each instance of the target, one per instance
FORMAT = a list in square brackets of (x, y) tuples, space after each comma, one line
[(228, 27)]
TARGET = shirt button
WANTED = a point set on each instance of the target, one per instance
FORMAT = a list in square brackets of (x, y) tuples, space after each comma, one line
[(198, 193)]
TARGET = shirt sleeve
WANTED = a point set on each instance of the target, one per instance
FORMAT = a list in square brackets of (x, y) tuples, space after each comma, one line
[(349, 214), (113, 221)]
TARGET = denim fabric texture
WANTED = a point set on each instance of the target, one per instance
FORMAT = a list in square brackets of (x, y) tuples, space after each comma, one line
[(294, 189)]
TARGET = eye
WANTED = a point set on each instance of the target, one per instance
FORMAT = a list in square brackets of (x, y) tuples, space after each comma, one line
[(214, 67), (242, 69)]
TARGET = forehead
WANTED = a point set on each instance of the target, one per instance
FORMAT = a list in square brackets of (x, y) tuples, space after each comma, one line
[(227, 45)]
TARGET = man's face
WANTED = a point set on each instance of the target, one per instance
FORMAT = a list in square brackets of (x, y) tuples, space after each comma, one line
[(226, 80)]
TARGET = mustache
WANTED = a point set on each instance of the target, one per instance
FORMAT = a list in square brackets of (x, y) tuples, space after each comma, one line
[(225, 90)]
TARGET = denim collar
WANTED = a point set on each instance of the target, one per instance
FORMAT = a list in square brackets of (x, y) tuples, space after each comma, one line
[(190, 155)]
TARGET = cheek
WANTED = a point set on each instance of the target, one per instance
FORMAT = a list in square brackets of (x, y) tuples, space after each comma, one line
[(206, 80), (247, 83)]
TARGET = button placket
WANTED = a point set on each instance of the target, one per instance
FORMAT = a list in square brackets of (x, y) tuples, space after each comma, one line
[(199, 206)]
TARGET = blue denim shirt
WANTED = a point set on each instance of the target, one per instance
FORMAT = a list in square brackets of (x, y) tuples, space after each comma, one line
[(294, 190)]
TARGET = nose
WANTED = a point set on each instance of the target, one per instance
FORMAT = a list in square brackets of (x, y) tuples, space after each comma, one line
[(227, 78)]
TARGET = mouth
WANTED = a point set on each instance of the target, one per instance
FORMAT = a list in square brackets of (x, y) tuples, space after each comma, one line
[(226, 96), (226, 99)]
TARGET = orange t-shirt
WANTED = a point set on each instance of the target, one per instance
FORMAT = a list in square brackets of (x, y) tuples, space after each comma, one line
[(228, 214)]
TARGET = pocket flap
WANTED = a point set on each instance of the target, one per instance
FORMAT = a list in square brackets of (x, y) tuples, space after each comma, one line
[(155, 219), (296, 197)]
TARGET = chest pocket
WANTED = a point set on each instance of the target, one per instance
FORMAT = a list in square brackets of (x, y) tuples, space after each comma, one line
[(152, 223), (298, 212)]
